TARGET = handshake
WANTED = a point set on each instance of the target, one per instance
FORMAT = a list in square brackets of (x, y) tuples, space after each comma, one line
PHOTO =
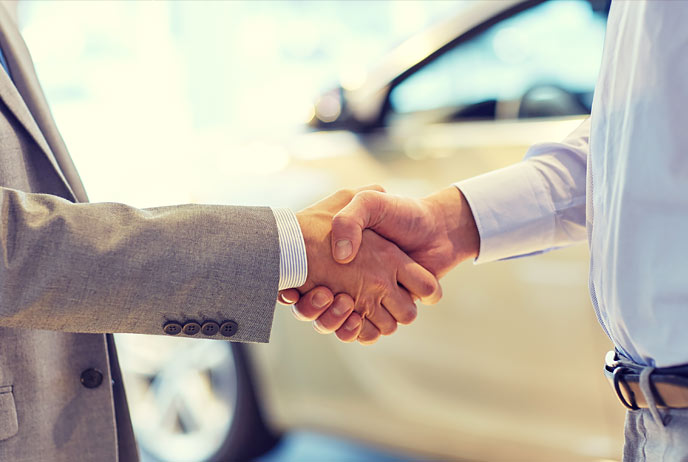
[(372, 255)]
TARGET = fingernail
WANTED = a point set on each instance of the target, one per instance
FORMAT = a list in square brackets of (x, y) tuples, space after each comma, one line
[(320, 300), (342, 249), (340, 308), (351, 324), (287, 300), (296, 313), (319, 327)]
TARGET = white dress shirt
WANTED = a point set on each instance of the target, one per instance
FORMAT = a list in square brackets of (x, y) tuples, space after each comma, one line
[(634, 201)]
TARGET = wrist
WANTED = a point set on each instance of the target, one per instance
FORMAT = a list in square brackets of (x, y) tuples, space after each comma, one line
[(315, 230), (455, 218)]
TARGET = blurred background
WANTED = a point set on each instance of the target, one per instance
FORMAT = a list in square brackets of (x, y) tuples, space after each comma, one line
[(183, 90), (282, 102)]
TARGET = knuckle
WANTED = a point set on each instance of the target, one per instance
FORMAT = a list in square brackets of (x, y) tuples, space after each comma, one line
[(367, 198), (364, 307), (364, 195), (377, 312), (345, 193), (344, 300), (379, 283), (373, 186)]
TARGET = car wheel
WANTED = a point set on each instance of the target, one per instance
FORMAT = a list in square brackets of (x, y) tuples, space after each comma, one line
[(191, 399)]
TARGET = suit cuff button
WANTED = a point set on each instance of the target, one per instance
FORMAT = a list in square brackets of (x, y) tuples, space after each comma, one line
[(228, 328), (210, 328), (191, 328), (172, 328)]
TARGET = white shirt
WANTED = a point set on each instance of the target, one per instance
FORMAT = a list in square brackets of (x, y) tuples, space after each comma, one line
[(634, 201)]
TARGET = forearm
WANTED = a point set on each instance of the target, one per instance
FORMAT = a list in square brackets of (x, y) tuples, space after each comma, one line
[(114, 268)]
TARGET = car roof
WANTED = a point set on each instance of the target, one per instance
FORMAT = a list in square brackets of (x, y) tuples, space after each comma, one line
[(420, 46)]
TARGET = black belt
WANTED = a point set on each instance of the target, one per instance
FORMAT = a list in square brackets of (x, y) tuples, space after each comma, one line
[(669, 385)]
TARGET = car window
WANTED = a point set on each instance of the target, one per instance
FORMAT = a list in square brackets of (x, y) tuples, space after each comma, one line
[(540, 62)]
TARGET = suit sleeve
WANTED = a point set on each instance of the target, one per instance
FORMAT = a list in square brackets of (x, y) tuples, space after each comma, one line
[(536, 205), (109, 268)]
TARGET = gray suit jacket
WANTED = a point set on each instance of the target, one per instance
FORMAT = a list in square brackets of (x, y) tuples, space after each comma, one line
[(72, 271)]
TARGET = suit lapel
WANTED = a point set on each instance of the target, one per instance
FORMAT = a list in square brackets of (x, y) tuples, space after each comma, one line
[(25, 99), (15, 103)]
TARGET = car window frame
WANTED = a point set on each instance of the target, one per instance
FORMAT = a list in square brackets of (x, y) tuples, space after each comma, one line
[(386, 107)]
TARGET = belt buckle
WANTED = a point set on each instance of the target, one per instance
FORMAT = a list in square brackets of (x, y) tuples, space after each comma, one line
[(618, 371)]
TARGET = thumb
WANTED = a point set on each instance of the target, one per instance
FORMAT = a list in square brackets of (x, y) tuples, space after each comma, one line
[(364, 211), (288, 296)]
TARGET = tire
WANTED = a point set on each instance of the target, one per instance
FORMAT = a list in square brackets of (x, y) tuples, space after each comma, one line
[(249, 437), (192, 400)]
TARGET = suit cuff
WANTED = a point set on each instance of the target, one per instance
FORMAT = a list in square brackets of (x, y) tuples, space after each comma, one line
[(513, 211), (293, 268)]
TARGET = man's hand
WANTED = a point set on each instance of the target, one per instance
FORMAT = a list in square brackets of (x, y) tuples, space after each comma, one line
[(382, 280), (318, 306), (438, 231)]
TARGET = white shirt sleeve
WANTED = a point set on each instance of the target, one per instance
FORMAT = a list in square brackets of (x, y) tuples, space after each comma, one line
[(535, 205), (293, 268)]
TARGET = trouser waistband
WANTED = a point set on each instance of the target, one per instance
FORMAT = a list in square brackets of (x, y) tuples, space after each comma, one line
[(646, 387)]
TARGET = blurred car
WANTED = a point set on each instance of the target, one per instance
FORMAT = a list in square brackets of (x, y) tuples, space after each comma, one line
[(508, 365)]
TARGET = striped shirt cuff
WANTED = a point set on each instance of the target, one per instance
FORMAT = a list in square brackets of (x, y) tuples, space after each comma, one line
[(293, 268)]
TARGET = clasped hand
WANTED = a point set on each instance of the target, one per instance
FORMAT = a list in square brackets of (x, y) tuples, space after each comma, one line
[(361, 285)]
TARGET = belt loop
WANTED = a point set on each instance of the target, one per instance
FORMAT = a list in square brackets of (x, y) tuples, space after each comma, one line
[(617, 381), (646, 388)]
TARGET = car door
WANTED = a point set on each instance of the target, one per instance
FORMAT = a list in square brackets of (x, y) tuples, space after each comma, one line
[(507, 366)]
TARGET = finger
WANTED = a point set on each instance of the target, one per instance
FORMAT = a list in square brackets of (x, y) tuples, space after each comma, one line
[(288, 296), (350, 329), (370, 187), (313, 303), (369, 333), (382, 320), (364, 210), (342, 197), (419, 281), (400, 304), (333, 317)]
